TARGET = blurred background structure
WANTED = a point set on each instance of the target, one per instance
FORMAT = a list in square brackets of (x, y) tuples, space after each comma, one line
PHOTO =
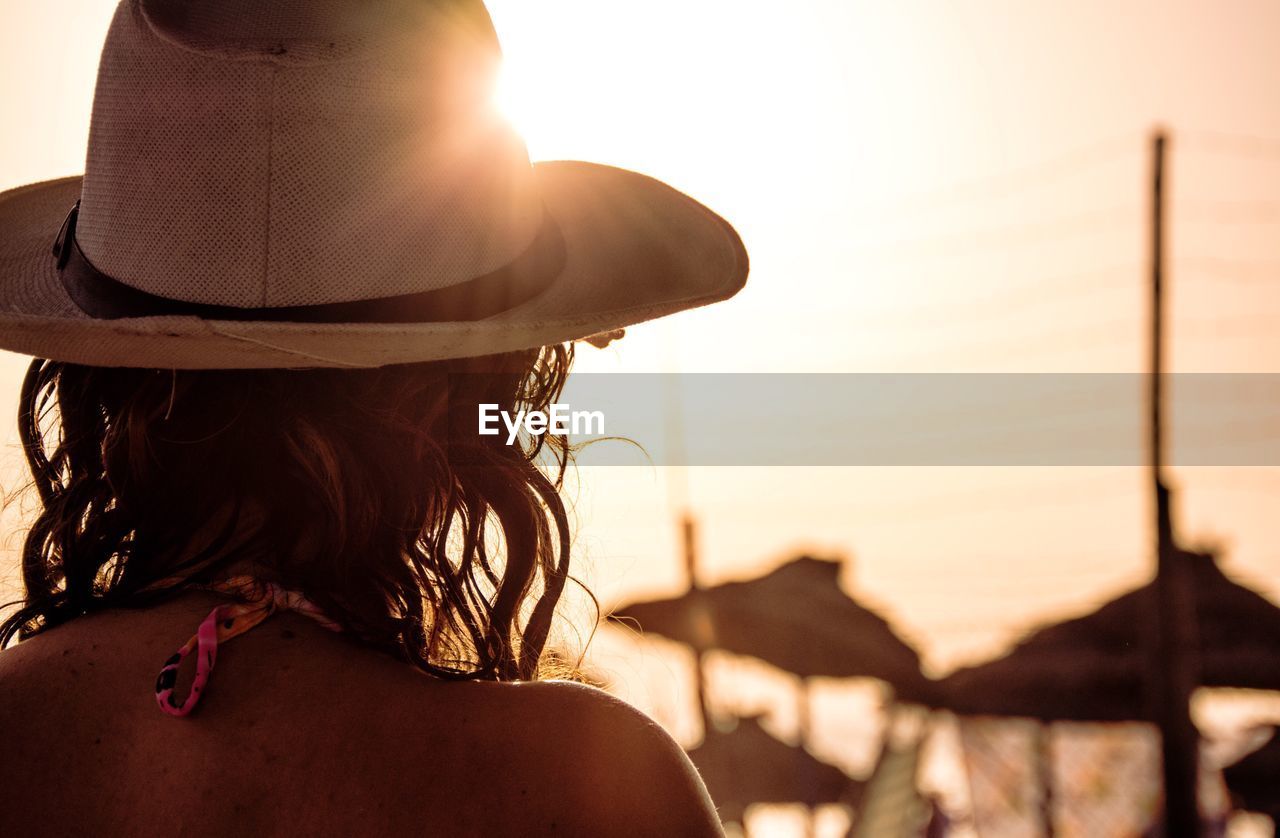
[(924, 187)]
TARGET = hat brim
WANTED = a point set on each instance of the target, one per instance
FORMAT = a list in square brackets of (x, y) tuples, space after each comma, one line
[(636, 249)]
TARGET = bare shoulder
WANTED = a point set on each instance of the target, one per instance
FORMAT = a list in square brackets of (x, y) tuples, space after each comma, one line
[(535, 758), (381, 748), (571, 760), (629, 777)]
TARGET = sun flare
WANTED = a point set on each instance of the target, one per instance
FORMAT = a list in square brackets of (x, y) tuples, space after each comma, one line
[(515, 99)]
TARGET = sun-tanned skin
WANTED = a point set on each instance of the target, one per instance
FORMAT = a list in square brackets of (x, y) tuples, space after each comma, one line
[(303, 732)]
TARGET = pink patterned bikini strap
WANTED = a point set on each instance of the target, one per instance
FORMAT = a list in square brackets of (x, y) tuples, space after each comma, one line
[(258, 601)]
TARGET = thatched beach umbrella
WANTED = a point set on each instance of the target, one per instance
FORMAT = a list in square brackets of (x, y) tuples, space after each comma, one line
[(1093, 668), (796, 618), (746, 765)]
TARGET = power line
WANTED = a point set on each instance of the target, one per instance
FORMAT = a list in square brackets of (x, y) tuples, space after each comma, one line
[(949, 245), (1219, 328), (1203, 277), (1001, 185), (1091, 487), (1229, 211), (1237, 145), (1109, 334), (1028, 566), (1055, 289), (1111, 426), (1227, 268), (1252, 490)]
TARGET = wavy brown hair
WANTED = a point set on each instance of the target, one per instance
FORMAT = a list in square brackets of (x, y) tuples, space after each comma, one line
[(369, 490)]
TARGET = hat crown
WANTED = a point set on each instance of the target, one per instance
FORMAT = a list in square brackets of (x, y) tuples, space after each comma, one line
[(310, 30), (301, 152)]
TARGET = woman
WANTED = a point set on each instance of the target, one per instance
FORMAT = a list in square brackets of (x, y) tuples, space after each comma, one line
[(304, 250)]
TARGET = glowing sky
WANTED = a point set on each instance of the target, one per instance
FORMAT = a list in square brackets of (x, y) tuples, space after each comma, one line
[(923, 186)]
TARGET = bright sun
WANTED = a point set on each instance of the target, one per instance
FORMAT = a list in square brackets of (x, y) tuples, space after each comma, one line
[(657, 90), (514, 99)]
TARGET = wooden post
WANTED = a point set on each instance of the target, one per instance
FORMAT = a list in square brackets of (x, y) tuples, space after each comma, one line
[(688, 530), (1172, 672), (1044, 775)]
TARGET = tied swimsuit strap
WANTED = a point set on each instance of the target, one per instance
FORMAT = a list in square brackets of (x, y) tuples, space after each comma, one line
[(258, 601)]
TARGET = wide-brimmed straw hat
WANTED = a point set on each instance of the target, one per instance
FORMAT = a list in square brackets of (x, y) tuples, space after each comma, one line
[(326, 183)]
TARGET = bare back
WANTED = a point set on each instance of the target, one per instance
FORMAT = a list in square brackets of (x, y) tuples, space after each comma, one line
[(303, 732)]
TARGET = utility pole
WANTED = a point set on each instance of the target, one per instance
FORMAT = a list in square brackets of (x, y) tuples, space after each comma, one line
[(702, 629), (1172, 671)]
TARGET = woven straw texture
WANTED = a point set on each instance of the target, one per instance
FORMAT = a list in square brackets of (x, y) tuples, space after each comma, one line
[(262, 182)]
